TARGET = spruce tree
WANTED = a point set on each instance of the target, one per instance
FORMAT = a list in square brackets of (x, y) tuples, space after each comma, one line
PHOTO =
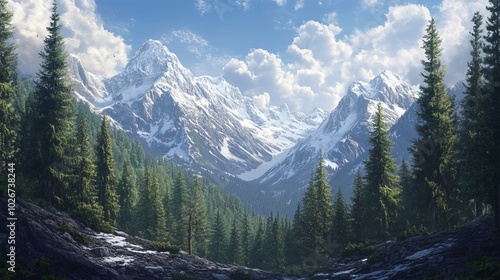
[(295, 252), (246, 238), (234, 249), (84, 187), (106, 178), (317, 212), (178, 207), (217, 248), (489, 127), (433, 151), (157, 213), (126, 191), (408, 194), (380, 181), (195, 218), (257, 254), (7, 89), (340, 220), (472, 115), (357, 212), (52, 121)]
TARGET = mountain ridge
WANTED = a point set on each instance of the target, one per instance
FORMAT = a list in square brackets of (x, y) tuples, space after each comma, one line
[(203, 122)]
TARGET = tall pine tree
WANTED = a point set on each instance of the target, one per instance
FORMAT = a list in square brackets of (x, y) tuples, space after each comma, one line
[(106, 178), (380, 181), (433, 151), (358, 210), (234, 248), (178, 208), (126, 191), (472, 153), (218, 243), (489, 128), (7, 89), (340, 220), (84, 187), (52, 121), (195, 218), (317, 212)]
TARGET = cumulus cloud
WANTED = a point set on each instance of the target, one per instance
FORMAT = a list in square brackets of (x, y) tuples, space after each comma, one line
[(101, 51), (319, 65), (454, 24)]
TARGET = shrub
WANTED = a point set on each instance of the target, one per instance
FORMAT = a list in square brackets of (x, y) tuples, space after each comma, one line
[(413, 231), (359, 250), (164, 247), (91, 215)]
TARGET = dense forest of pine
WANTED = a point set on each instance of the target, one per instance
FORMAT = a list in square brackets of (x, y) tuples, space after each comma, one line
[(70, 158)]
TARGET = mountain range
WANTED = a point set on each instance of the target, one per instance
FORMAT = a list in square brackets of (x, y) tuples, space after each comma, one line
[(206, 124)]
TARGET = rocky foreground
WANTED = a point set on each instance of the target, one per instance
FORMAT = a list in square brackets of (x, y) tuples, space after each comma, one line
[(51, 245)]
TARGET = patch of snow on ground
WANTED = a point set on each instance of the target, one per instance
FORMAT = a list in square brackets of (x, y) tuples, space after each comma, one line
[(123, 259), (343, 272), (420, 254), (117, 241)]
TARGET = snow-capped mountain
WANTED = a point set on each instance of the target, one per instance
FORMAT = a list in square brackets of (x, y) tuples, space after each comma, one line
[(203, 122), (343, 136)]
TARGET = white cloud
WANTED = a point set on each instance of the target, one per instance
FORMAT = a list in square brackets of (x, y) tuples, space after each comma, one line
[(369, 3), (202, 6), (454, 24), (280, 2), (101, 51), (299, 5), (318, 65), (262, 101)]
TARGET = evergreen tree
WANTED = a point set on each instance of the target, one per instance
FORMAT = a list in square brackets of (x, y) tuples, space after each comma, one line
[(408, 194), (52, 121), (126, 191), (380, 181), (217, 249), (7, 89), (178, 206), (433, 151), (340, 220), (106, 178), (317, 212), (235, 250), (472, 115), (257, 254), (151, 220), (246, 238), (489, 127), (85, 168), (295, 252), (357, 213), (195, 217)]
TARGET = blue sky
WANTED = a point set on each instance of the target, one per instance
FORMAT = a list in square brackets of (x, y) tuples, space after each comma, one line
[(304, 53), (205, 33)]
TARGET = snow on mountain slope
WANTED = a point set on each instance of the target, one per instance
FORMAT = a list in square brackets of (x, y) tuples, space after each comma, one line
[(343, 136), (199, 121)]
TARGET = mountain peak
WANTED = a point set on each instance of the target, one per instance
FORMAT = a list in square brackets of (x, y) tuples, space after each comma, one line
[(153, 58)]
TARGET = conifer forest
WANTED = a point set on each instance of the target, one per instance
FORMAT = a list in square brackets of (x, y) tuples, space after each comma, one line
[(68, 157)]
